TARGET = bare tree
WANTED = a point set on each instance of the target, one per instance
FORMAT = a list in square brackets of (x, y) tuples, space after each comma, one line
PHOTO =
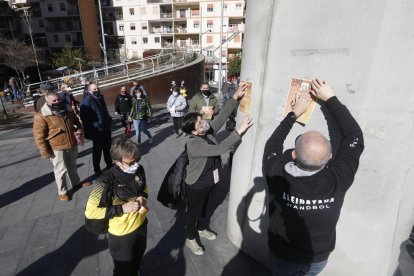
[(16, 54)]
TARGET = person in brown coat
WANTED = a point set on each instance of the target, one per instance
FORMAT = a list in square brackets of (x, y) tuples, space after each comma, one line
[(54, 128)]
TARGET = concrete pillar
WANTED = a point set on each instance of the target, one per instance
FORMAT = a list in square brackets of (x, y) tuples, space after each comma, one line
[(364, 49)]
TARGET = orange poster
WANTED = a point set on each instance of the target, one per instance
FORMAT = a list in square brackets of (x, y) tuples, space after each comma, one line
[(296, 86), (246, 101)]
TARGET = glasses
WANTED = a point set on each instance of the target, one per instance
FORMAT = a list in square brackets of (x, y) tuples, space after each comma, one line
[(130, 163)]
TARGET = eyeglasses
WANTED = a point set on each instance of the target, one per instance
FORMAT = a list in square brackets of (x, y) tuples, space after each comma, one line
[(131, 163)]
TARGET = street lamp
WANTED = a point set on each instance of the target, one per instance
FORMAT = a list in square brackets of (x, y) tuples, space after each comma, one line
[(103, 38), (29, 27)]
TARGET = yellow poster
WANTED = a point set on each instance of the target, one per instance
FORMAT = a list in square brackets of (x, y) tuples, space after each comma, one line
[(296, 86), (246, 101)]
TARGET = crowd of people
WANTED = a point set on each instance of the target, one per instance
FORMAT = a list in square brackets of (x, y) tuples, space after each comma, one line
[(300, 237)]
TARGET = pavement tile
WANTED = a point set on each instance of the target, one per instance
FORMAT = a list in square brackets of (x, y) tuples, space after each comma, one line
[(40, 246), (12, 246)]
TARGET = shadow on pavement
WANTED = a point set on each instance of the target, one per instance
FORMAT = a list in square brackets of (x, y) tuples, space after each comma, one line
[(27, 188), (64, 259), (167, 257), (20, 161)]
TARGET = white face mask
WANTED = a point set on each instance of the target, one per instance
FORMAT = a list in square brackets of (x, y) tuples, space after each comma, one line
[(175, 94), (130, 169), (204, 126)]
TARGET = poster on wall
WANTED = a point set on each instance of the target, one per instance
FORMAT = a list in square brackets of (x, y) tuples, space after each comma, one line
[(246, 101), (296, 86)]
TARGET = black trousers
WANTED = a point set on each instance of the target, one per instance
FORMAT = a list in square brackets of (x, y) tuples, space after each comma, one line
[(127, 251), (199, 211), (124, 120), (177, 123), (101, 143)]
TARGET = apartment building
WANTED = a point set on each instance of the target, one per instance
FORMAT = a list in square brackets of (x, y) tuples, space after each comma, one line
[(56, 23), (134, 28)]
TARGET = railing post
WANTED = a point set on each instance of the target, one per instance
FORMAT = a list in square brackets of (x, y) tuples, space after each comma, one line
[(126, 65)]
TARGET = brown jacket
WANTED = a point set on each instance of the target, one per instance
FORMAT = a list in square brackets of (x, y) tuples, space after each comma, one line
[(54, 132)]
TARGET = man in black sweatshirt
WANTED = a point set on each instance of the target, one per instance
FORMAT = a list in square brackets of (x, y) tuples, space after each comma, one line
[(307, 186), (123, 104)]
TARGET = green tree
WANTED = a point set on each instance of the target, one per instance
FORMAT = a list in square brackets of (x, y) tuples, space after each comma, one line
[(69, 57), (234, 65)]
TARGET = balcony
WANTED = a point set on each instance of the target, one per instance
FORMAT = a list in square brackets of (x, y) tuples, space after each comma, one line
[(166, 15), (112, 17), (61, 29), (159, 1), (73, 12), (181, 30)]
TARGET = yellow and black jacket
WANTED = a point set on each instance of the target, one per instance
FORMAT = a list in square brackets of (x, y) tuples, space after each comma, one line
[(112, 189)]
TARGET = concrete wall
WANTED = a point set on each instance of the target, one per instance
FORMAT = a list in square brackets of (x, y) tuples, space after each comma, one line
[(364, 49)]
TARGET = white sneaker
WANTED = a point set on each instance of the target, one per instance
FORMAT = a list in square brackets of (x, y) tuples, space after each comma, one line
[(194, 246), (207, 234)]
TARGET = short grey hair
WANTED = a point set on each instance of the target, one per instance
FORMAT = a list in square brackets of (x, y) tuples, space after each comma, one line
[(123, 147), (52, 93), (303, 158)]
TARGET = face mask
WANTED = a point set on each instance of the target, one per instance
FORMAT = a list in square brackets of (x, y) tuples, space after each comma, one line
[(138, 95), (123, 92), (96, 93), (205, 92), (204, 126), (175, 94), (58, 106), (131, 169)]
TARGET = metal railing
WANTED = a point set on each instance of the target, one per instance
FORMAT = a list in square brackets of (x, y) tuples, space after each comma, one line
[(169, 58)]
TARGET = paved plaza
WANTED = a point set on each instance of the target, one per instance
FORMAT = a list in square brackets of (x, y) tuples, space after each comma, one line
[(40, 235)]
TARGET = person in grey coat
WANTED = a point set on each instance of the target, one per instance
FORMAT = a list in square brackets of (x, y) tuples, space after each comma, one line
[(177, 106), (203, 168)]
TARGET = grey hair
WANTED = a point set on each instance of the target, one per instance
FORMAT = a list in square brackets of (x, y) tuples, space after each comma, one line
[(304, 160), (52, 93), (123, 147)]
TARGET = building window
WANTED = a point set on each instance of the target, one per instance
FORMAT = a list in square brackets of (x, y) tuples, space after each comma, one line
[(132, 26), (41, 24), (144, 26), (210, 8), (121, 27), (195, 12), (196, 24), (56, 38), (62, 6), (209, 23), (131, 11), (209, 53), (68, 38), (133, 41), (50, 7), (156, 39), (209, 39), (145, 40), (238, 6), (143, 11)]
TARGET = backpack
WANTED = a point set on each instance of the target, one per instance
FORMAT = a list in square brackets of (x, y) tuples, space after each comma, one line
[(172, 191)]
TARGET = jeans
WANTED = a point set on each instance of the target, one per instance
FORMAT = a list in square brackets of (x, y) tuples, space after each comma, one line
[(281, 267), (141, 126)]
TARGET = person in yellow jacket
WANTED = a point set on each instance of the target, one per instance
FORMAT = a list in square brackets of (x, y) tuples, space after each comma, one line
[(120, 195)]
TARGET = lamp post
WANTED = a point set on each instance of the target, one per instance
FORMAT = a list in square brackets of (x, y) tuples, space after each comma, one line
[(103, 38), (29, 27), (221, 50)]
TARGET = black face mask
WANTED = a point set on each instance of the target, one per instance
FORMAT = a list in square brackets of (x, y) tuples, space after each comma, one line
[(60, 105), (206, 92), (96, 93)]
